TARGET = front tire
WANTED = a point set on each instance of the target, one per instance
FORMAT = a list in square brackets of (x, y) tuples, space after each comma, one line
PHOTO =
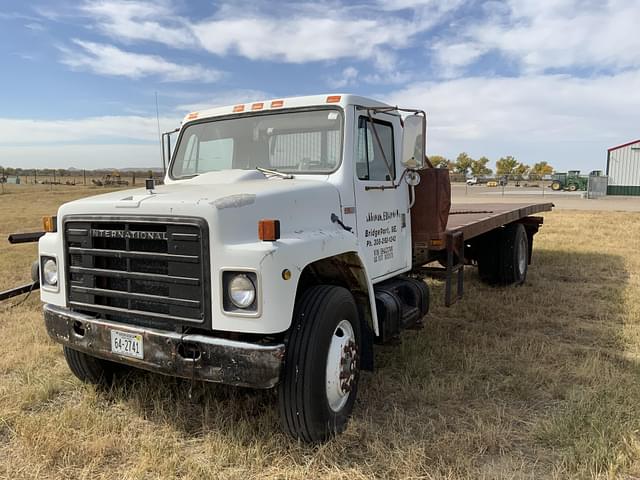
[(322, 365), (90, 369)]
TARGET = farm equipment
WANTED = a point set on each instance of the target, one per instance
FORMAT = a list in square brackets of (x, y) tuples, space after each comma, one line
[(110, 180), (489, 181), (571, 181), (291, 237)]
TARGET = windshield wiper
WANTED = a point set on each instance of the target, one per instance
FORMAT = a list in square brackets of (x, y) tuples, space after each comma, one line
[(274, 172)]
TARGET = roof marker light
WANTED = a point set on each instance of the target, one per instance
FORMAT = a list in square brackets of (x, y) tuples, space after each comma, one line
[(257, 106), (238, 108), (277, 103), (192, 115), (333, 99)]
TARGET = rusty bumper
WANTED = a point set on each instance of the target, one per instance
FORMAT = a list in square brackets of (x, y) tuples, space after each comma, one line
[(180, 355)]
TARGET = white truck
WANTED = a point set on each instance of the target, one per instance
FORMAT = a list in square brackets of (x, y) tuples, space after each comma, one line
[(289, 238)]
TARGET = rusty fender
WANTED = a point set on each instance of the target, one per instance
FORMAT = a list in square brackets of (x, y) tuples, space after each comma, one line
[(191, 356)]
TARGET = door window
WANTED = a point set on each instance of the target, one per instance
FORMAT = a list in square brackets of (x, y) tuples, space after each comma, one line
[(375, 159)]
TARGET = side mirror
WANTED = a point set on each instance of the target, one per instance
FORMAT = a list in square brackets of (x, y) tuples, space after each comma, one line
[(413, 142)]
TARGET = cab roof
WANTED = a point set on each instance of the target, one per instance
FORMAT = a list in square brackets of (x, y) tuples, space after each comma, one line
[(339, 99)]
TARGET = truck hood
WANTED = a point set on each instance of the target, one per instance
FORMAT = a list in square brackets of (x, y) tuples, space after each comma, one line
[(229, 200)]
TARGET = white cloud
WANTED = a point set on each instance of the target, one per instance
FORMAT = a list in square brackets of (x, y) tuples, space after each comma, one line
[(560, 35), (452, 57), (89, 156), (565, 120), (348, 77), (139, 20), (34, 26), (300, 39), (17, 132), (109, 60), (291, 32), (91, 142)]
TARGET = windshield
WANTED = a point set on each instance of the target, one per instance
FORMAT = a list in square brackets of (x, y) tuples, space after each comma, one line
[(292, 142)]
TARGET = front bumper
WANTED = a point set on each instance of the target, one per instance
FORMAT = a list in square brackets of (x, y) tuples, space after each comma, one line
[(216, 359)]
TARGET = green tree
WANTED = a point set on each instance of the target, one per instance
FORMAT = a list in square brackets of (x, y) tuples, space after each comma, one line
[(522, 169), (463, 163), (439, 161), (506, 165), (542, 168), (479, 167)]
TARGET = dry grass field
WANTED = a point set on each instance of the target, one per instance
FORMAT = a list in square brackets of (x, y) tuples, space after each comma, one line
[(540, 381)]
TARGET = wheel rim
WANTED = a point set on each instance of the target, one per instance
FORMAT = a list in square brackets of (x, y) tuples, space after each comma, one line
[(342, 364), (522, 255)]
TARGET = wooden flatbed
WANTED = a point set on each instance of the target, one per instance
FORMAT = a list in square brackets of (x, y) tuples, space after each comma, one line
[(466, 222), (477, 218)]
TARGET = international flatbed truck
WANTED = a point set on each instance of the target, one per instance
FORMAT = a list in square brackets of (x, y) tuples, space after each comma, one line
[(290, 237)]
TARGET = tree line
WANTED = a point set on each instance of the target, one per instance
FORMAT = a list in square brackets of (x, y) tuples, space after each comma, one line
[(62, 172), (509, 165)]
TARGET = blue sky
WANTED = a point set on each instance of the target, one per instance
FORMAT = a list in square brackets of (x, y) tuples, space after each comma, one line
[(546, 80)]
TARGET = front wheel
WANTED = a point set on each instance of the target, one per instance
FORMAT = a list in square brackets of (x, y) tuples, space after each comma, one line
[(322, 365), (90, 369)]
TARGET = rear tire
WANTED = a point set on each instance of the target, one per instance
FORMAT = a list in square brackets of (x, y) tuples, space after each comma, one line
[(556, 186), (488, 257), (503, 256), (514, 255), (320, 376), (90, 369)]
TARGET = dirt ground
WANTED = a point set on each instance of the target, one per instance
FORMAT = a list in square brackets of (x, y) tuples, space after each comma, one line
[(462, 193), (538, 381)]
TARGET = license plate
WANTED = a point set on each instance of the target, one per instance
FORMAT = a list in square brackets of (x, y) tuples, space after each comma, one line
[(127, 344)]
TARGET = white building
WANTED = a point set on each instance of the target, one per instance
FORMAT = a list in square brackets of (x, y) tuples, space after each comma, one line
[(623, 169)]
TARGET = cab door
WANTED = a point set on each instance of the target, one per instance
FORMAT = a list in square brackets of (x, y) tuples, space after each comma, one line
[(382, 200)]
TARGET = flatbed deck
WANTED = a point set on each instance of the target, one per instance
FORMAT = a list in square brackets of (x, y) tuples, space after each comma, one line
[(478, 218)]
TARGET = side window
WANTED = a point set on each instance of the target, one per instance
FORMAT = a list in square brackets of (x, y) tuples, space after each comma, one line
[(373, 156)]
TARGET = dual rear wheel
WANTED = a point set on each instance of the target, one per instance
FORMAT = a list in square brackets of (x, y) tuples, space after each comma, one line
[(503, 256)]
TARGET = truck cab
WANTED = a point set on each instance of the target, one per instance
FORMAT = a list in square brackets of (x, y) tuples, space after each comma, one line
[(276, 254)]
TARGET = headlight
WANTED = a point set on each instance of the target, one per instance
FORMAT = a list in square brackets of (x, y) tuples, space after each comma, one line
[(242, 291), (50, 272)]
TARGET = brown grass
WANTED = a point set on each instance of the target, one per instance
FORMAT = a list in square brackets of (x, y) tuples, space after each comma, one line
[(540, 381)]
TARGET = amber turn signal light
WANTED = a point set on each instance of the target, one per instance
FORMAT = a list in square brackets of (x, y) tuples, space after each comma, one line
[(50, 224), (269, 230)]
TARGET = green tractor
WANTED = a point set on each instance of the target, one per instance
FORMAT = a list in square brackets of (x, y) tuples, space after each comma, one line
[(572, 181)]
